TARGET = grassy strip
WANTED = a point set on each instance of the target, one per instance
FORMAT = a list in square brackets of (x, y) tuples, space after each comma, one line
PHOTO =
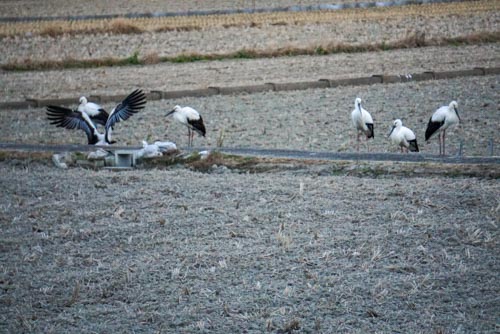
[(413, 41), (263, 165)]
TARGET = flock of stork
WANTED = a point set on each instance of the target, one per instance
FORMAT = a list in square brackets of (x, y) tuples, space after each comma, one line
[(443, 118), (88, 115)]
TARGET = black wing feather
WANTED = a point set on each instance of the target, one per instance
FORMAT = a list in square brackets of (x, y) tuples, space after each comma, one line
[(70, 119), (432, 127), (101, 117), (132, 104), (369, 133), (413, 145), (197, 125)]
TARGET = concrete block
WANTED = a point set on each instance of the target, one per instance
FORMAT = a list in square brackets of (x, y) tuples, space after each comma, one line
[(456, 74), (57, 102), (94, 98), (111, 98), (430, 73), (422, 76), (189, 93), (154, 95), (492, 70), (17, 105), (355, 81), (300, 85), (33, 102), (125, 158), (388, 78), (272, 85), (480, 69), (327, 82), (245, 89)]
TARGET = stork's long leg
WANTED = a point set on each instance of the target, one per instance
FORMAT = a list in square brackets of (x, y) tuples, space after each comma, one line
[(444, 134), (189, 137), (440, 140)]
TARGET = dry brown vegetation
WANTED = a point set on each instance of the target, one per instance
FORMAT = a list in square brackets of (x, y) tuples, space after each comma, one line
[(414, 40), (186, 23), (213, 162)]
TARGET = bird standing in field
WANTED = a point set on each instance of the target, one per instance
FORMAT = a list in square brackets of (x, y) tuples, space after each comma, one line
[(403, 137), (362, 121), (191, 119), (440, 121), (79, 119)]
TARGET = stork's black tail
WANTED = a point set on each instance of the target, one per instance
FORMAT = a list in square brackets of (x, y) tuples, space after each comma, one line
[(432, 127), (413, 145), (370, 133)]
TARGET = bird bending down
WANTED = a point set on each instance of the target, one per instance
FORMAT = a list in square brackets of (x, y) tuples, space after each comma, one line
[(403, 137), (362, 121), (191, 119), (156, 149), (440, 121), (149, 150), (79, 119)]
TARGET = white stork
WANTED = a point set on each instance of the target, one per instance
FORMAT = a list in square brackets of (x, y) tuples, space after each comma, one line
[(191, 119), (156, 149), (402, 136), (442, 119), (97, 113), (362, 121), (79, 119), (149, 150), (165, 146)]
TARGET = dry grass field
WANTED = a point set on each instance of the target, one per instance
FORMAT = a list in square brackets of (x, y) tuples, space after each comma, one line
[(242, 245), (182, 38), (11, 8), (54, 28), (187, 252)]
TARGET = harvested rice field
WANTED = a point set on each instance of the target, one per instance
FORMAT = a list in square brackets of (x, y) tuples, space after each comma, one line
[(235, 244)]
